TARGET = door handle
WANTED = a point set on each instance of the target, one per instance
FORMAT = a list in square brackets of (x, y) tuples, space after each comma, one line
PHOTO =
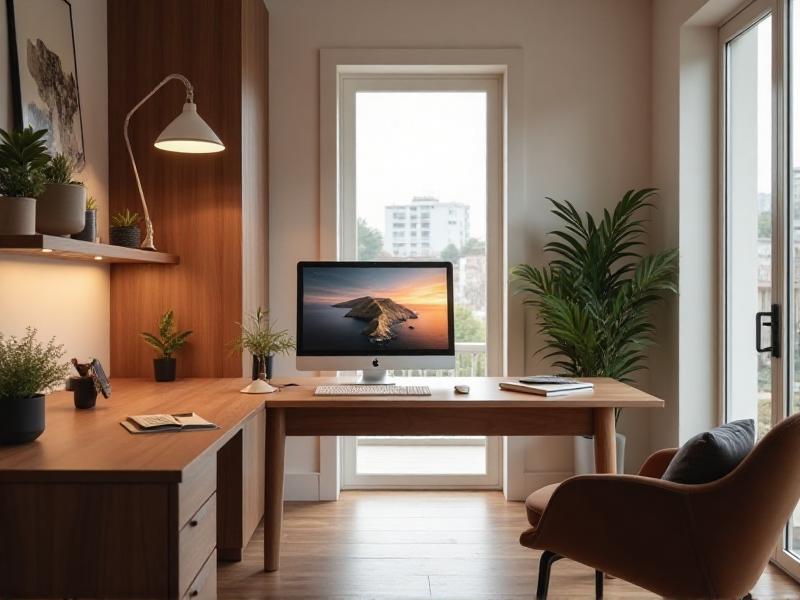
[(774, 325)]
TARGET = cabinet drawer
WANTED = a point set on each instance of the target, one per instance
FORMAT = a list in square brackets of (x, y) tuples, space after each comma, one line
[(200, 481), (204, 586), (197, 540)]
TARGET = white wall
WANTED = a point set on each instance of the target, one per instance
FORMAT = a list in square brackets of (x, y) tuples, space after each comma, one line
[(587, 125), (63, 299)]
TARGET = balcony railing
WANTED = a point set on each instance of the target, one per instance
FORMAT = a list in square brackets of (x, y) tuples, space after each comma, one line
[(470, 362)]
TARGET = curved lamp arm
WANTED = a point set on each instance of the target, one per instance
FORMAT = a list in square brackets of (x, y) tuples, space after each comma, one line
[(148, 244)]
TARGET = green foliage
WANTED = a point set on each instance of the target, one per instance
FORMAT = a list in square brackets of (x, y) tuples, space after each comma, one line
[(23, 157), (595, 299), (261, 338), (27, 367), (450, 253), (370, 241), (91, 203), (125, 219), (468, 327), (473, 247), (169, 340), (60, 169)]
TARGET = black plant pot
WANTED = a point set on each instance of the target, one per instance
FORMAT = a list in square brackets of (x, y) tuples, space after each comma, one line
[(89, 233), (21, 419), (268, 366), (83, 390), (164, 369), (130, 237)]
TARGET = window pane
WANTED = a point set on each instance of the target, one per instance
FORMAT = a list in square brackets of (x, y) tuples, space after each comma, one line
[(749, 221)]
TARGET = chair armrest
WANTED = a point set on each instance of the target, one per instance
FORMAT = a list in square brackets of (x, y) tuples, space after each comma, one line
[(637, 528), (656, 464)]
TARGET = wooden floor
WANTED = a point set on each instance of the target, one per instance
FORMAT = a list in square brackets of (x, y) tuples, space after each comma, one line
[(419, 545)]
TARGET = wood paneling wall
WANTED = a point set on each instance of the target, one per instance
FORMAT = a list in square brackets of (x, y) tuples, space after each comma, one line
[(209, 209)]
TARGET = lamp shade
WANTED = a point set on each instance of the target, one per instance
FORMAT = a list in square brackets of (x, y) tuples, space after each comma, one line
[(189, 133)]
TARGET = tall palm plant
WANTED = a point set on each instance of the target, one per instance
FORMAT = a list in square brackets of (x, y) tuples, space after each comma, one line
[(595, 298)]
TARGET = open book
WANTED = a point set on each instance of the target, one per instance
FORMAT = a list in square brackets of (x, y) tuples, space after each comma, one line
[(557, 389), (158, 423)]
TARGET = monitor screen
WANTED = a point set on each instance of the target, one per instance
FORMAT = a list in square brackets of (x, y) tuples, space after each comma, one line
[(369, 308)]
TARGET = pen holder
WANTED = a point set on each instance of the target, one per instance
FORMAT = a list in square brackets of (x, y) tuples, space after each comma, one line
[(84, 391)]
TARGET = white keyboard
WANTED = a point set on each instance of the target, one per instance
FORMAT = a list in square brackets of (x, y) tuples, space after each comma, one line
[(372, 390)]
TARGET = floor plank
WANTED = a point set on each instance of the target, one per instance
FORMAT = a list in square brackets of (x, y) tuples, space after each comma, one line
[(414, 545)]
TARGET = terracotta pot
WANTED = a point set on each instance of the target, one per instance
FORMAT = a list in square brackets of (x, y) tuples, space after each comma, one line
[(17, 215), (61, 209), (21, 419)]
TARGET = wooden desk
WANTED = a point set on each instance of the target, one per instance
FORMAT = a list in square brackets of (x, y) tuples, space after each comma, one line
[(90, 510), (487, 410)]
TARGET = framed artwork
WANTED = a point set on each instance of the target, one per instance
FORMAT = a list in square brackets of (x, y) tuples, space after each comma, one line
[(44, 73)]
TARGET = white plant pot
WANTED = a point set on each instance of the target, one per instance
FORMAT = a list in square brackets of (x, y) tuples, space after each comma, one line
[(17, 216), (61, 209), (584, 454)]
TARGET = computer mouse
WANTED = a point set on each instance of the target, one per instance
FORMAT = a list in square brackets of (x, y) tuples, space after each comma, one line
[(462, 389)]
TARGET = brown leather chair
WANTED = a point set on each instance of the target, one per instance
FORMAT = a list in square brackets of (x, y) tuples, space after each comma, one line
[(711, 540)]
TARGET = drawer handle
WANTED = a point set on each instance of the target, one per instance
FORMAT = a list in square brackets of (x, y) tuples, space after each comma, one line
[(193, 523), (194, 594)]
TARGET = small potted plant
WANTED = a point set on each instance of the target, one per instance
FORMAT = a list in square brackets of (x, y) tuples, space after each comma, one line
[(166, 343), (125, 229), (23, 157), (28, 371), (263, 340), (89, 233), (61, 209)]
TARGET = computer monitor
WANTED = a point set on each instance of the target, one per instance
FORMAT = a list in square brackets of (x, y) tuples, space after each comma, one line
[(374, 316)]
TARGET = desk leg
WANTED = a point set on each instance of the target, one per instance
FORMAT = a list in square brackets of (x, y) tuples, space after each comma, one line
[(273, 497), (605, 442)]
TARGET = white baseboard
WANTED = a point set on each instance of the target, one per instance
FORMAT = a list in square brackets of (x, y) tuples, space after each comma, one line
[(303, 487), (533, 480)]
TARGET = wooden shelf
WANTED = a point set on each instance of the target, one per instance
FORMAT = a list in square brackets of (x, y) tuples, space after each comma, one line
[(52, 246)]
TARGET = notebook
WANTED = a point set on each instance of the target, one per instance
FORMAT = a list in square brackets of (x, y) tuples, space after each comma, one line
[(159, 423), (552, 389)]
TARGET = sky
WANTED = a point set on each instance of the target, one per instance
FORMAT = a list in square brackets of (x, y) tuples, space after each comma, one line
[(409, 286), (421, 144)]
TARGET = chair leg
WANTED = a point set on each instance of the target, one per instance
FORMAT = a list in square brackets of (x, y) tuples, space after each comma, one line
[(598, 584), (545, 562)]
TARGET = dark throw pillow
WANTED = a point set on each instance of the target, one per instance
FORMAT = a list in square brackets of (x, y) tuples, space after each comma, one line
[(712, 454)]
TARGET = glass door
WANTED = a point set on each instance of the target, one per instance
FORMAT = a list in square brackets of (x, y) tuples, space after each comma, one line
[(749, 239)]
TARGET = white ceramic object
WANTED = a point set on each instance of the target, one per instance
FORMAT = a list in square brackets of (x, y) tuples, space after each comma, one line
[(259, 386), (61, 209), (17, 215)]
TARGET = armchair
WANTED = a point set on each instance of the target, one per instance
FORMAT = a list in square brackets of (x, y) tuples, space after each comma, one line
[(681, 541)]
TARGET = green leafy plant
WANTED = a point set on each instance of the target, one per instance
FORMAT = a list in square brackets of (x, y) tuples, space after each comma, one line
[(261, 338), (60, 169), (595, 298), (91, 203), (125, 219), (169, 340), (23, 157), (29, 368)]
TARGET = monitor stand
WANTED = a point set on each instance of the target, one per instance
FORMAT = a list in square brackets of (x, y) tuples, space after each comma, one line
[(374, 377)]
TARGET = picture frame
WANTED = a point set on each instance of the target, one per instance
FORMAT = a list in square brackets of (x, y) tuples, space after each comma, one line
[(44, 74)]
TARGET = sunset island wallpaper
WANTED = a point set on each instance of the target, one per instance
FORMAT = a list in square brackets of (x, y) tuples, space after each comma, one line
[(356, 309)]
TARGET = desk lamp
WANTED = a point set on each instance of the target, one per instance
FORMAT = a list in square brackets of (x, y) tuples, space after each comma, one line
[(188, 133)]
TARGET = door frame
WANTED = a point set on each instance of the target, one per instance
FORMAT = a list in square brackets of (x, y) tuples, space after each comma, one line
[(507, 64)]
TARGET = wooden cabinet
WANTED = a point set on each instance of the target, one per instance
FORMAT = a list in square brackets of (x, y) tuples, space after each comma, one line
[(91, 511)]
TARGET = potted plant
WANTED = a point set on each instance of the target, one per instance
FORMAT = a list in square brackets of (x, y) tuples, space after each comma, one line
[(28, 371), (23, 156), (263, 341), (61, 209), (125, 229), (89, 232), (594, 301), (167, 342)]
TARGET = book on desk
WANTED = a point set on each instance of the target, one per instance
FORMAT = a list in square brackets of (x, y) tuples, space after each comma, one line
[(546, 389), (163, 423)]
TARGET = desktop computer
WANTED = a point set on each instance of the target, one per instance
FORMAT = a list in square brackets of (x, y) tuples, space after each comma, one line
[(374, 316)]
